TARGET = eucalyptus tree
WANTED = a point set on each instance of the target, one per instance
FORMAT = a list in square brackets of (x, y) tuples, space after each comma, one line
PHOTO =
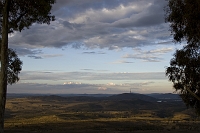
[(14, 67), (183, 17), (184, 72), (17, 15)]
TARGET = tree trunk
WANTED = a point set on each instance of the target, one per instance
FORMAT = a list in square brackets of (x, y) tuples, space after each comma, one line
[(4, 64)]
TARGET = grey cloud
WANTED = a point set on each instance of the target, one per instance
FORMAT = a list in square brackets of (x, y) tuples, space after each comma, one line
[(31, 76), (151, 16), (93, 52), (147, 83), (60, 89), (101, 71), (51, 55), (86, 24), (79, 6), (39, 36), (141, 84), (122, 62), (74, 86), (101, 52), (140, 21), (47, 72), (88, 69), (29, 52), (89, 52), (35, 57), (26, 51), (165, 42), (148, 58), (34, 53), (71, 25), (149, 20), (160, 51), (79, 88), (48, 89), (154, 55), (127, 62)]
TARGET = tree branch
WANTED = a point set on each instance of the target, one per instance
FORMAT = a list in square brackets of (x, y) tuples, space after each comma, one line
[(193, 94)]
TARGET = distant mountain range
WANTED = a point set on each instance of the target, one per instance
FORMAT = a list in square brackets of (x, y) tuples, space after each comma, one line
[(146, 97), (164, 96), (132, 96), (116, 102), (96, 97)]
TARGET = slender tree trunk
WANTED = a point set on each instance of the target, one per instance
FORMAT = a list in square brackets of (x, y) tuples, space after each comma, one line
[(4, 64)]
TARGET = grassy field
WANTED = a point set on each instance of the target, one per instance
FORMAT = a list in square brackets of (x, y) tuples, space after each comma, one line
[(33, 115)]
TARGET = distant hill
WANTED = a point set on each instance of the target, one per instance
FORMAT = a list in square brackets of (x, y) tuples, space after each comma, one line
[(165, 96), (90, 97), (118, 102), (132, 96), (60, 98)]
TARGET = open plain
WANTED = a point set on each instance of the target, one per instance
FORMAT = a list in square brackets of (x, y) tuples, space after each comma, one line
[(87, 114)]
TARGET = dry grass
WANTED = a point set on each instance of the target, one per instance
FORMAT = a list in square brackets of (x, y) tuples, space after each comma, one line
[(26, 115)]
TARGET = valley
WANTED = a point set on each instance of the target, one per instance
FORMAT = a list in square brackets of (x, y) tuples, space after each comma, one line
[(88, 114)]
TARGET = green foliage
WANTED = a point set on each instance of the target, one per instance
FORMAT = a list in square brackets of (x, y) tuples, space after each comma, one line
[(184, 19), (22, 14), (25, 12), (14, 67), (184, 72)]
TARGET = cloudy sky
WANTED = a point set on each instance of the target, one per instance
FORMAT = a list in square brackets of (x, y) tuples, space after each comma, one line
[(96, 46)]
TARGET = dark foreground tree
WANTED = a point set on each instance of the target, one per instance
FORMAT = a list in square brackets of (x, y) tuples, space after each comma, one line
[(184, 71), (14, 67), (16, 15), (184, 19)]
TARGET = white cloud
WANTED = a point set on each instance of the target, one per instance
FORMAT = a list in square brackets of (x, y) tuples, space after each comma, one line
[(51, 55), (111, 84), (75, 88), (154, 55), (71, 83), (161, 51), (122, 62), (102, 88)]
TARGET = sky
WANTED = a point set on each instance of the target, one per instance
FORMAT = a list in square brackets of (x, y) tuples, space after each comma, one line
[(96, 47)]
